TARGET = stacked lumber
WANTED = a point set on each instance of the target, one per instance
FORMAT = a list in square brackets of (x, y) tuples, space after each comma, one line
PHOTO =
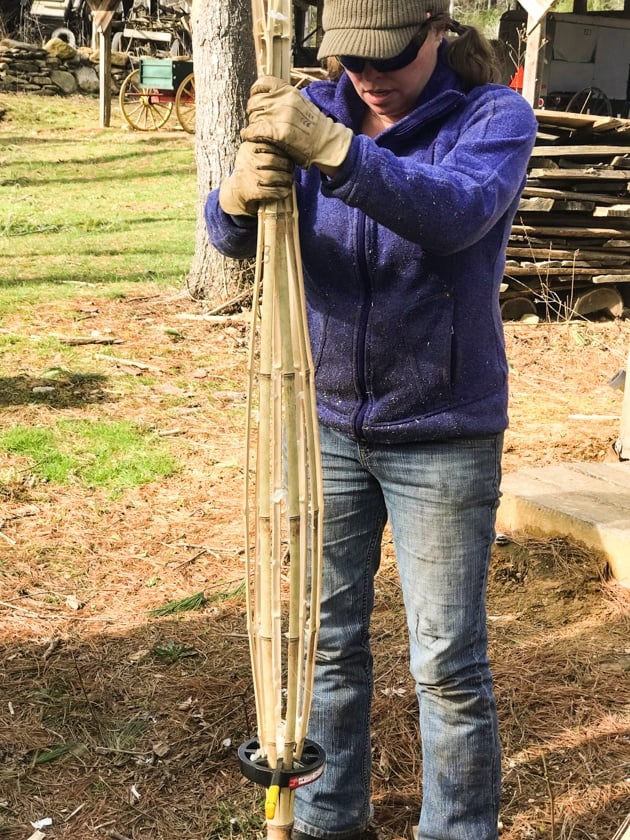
[(569, 250)]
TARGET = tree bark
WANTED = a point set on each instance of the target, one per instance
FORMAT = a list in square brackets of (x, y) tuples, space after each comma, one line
[(225, 68)]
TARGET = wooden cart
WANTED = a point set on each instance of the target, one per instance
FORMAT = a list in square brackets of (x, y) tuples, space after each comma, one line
[(149, 94)]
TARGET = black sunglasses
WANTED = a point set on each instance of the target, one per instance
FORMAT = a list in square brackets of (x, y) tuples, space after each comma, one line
[(385, 65)]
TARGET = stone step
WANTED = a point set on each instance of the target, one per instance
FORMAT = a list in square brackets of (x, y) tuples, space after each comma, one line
[(588, 503)]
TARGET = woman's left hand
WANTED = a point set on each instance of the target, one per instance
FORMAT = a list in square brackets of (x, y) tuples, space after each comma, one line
[(280, 115)]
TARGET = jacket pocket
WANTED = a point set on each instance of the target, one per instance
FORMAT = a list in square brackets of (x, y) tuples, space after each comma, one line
[(428, 336), (411, 369), (317, 321)]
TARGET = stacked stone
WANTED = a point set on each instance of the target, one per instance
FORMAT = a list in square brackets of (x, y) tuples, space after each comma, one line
[(55, 69)]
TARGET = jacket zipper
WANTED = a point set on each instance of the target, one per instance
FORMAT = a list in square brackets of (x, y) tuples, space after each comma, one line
[(363, 266)]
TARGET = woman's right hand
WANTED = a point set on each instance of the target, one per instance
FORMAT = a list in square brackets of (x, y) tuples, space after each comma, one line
[(261, 173)]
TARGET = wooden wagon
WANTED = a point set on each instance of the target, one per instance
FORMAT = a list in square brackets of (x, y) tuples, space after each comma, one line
[(151, 92)]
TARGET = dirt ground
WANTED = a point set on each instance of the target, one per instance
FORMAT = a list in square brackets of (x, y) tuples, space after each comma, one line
[(115, 723)]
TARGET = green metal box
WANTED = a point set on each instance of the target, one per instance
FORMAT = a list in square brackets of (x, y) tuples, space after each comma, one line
[(164, 73)]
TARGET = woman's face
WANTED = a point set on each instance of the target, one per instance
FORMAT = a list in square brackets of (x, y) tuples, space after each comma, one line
[(391, 96)]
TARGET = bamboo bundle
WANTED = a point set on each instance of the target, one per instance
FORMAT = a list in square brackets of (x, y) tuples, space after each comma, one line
[(283, 504)]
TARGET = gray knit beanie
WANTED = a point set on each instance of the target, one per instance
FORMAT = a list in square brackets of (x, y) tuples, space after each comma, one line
[(373, 28)]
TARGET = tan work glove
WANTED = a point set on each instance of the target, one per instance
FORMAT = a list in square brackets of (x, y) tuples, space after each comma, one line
[(280, 115), (261, 173)]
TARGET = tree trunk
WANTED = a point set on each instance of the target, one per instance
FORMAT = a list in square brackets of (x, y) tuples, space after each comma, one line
[(225, 68)]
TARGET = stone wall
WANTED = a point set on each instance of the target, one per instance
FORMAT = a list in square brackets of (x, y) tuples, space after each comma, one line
[(56, 68)]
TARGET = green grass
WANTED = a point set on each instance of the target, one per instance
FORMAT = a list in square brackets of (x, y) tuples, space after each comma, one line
[(84, 207), (34, 113), (111, 455), (80, 204)]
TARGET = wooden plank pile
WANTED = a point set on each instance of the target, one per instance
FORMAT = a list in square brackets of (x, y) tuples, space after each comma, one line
[(569, 250)]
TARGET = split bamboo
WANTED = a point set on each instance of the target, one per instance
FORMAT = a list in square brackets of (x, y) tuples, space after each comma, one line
[(283, 503)]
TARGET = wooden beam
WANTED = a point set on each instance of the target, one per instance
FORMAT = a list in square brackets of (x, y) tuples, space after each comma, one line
[(320, 28), (612, 276), (601, 256), (102, 5), (102, 19), (568, 232), (547, 192), (102, 15), (616, 211), (578, 150), (588, 173), (570, 120), (533, 58), (105, 71)]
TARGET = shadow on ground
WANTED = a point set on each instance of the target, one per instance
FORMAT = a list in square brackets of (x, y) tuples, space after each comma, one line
[(72, 391)]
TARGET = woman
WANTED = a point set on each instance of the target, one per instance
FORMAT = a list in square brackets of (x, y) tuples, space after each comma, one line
[(411, 164)]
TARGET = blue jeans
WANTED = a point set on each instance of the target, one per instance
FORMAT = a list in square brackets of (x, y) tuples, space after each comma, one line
[(440, 499)]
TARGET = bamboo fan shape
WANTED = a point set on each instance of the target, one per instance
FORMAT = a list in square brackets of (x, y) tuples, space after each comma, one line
[(283, 504)]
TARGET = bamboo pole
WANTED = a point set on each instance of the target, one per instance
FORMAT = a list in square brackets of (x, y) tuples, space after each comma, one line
[(283, 501), (623, 833)]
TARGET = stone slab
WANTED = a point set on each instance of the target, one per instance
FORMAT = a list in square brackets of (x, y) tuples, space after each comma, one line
[(589, 503)]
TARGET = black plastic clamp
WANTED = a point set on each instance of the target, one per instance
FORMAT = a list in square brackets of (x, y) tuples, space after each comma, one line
[(305, 770)]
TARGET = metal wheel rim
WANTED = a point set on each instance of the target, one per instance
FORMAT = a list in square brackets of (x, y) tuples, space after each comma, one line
[(185, 106)]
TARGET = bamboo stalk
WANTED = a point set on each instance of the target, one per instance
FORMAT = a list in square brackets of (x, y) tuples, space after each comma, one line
[(283, 498)]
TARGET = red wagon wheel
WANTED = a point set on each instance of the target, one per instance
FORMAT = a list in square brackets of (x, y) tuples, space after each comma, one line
[(142, 108), (185, 104)]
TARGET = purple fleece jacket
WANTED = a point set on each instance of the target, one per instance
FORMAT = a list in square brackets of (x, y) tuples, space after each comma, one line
[(403, 254)]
